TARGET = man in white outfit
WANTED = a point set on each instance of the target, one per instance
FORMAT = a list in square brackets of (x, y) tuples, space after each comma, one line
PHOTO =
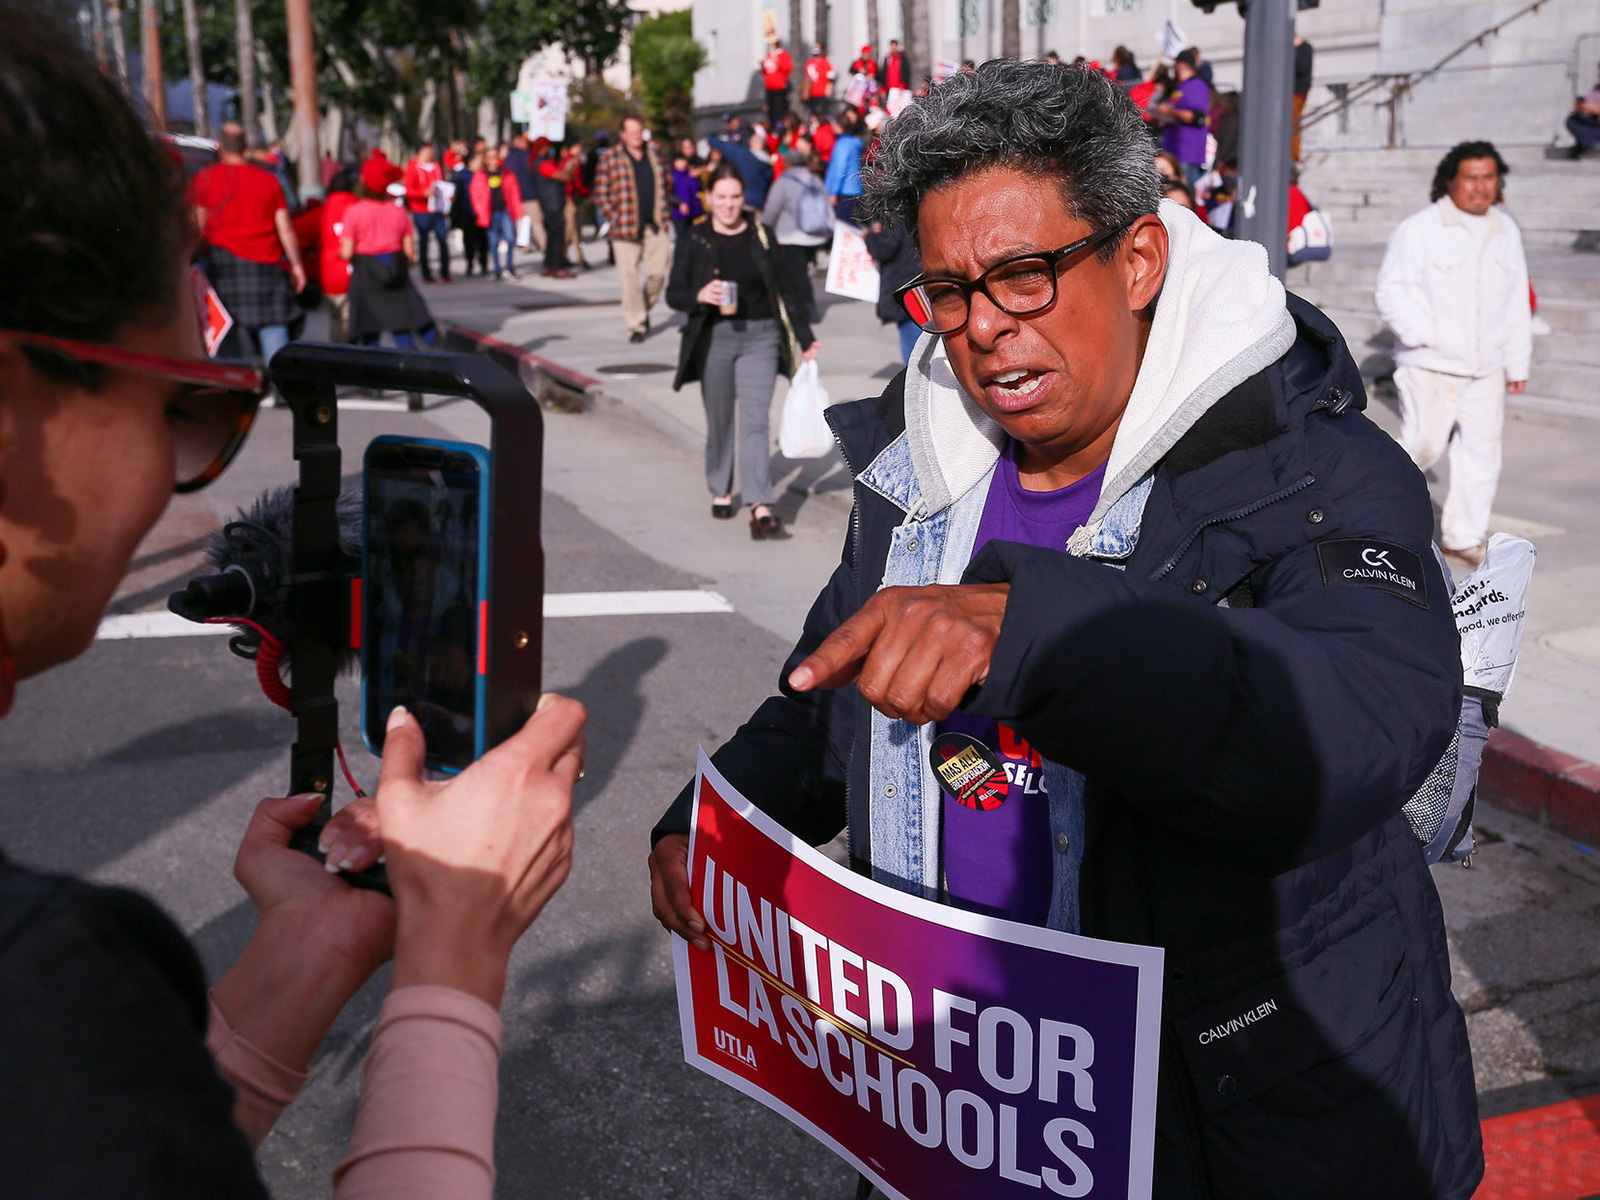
[(1454, 289)]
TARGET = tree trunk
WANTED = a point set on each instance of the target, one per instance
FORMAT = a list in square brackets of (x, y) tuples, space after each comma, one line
[(269, 107), (197, 72), (119, 39), (97, 26), (245, 41), (306, 148), (919, 45), (797, 35), (155, 88), (872, 27), (426, 113), (1010, 29), (819, 32)]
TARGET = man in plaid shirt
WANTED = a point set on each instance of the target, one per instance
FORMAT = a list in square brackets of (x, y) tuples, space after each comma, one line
[(630, 193)]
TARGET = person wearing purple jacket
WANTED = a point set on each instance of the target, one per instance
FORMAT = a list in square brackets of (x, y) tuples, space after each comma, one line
[(1184, 115), (686, 204)]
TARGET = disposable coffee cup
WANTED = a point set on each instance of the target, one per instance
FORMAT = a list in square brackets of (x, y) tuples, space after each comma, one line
[(730, 297)]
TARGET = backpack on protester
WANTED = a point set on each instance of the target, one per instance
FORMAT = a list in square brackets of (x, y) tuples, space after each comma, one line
[(1488, 607), (1312, 239), (812, 212)]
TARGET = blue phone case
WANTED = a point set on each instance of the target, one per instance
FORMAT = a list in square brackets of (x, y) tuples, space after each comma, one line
[(480, 455)]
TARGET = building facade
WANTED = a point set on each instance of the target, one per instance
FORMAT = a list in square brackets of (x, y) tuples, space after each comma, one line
[(1516, 87)]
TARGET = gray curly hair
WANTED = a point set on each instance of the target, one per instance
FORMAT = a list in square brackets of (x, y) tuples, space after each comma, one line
[(1068, 124)]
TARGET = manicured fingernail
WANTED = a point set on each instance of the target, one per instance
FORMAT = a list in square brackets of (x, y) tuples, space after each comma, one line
[(700, 944), (323, 847), (382, 858), (331, 867), (397, 718), (547, 698), (800, 679), (697, 927), (347, 864), (305, 797)]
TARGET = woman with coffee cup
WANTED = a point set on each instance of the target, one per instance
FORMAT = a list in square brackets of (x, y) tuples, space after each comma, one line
[(747, 321)]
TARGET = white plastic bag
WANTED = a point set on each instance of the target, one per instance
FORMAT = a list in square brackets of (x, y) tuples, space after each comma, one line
[(803, 432), (1488, 608)]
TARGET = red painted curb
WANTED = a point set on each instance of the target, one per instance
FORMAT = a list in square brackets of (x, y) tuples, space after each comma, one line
[(1555, 789), (483, 343), (1549, 1153)]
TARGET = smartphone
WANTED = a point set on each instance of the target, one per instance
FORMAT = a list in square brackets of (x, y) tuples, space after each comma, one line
[(425, 594)]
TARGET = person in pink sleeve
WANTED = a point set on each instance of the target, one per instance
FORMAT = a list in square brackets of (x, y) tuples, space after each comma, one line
[(120, 1075)]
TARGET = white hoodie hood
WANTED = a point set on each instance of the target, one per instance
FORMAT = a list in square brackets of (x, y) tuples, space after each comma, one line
[(1221, 318)]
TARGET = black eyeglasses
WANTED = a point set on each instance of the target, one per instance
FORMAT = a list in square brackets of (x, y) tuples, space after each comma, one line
[(1019, 286)]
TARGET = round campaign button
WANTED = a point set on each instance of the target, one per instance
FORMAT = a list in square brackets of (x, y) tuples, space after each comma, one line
[(969, 771)]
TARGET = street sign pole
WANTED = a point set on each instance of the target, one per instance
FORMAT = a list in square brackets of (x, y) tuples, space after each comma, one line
[(1264, 128)]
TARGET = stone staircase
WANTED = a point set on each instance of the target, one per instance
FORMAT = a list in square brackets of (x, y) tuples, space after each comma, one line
[(1367, 193)]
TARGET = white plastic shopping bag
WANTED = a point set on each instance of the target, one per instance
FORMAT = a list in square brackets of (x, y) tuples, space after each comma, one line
[(1488, 606), (803, 432)]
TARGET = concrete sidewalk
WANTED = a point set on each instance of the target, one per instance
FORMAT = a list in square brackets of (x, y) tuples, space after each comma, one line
[(1549, 493), (577, 326)]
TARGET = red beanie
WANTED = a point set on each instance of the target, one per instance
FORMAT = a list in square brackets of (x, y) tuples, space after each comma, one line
[(375, 175)]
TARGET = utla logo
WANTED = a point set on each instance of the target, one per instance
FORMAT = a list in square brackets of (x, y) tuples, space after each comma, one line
[(733, 1047)]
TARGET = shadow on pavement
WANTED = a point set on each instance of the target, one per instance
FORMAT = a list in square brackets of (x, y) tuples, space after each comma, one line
[(612, 693)]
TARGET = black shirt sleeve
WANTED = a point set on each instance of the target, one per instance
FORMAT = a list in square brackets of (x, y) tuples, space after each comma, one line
[(106, 1086)]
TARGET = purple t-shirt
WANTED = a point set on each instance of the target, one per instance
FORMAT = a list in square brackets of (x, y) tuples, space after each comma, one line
[(998, 860), (1188, 142)]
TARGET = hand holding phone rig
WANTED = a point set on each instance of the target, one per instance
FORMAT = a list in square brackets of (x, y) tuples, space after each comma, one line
[(319, 595)]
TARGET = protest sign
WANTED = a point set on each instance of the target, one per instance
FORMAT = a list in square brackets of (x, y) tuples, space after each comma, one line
[(943, 1054), (215, 320), (851, 269), (546, 106), (1171, 39)]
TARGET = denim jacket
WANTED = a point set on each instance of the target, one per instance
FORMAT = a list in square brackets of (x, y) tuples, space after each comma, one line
[(906, 803)]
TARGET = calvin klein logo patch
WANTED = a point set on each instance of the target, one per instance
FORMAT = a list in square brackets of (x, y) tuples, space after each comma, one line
[(1366, 562)]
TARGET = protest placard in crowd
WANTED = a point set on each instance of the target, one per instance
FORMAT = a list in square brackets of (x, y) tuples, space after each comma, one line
[(942, 1053), (852, 271)]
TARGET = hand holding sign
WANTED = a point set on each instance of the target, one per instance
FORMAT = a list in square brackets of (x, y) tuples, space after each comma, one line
[(913, 652), (943, 1054), (670, 898)]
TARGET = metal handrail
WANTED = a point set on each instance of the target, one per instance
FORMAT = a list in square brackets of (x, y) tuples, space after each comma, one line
[(1401, 83)]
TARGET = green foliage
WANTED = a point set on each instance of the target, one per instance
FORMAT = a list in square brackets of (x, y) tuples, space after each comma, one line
[(374, 56), (590, 30), (665, 58), (595, 105)]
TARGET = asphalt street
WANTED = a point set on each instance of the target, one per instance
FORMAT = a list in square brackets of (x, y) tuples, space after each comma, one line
[(139, 763)]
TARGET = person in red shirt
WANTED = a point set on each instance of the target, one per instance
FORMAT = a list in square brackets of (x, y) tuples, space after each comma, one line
[(245, 224), (332, 267), (823, 135), (422, 178), (577, 192), (819, 81), (895, 72), (379, 243), (776, 67), (865, 64)]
